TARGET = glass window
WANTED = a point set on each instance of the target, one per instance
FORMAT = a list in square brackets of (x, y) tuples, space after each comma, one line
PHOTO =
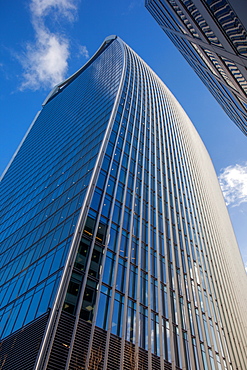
[(103, 308), (82, 254), (88, 303), (95, 264), (101, 232), (117, 315), (109, 268), (121, 275)]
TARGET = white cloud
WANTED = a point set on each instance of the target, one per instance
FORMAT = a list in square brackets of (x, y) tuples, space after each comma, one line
[(41, 8), (233, 182), (83, 51), (45, 62)]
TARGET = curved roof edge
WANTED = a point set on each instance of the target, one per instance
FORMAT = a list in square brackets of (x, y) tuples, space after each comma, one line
[(106, 41)]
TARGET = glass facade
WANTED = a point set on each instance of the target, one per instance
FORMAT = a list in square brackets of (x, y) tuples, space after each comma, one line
[(213, 40), (144, 252), (45, 186)]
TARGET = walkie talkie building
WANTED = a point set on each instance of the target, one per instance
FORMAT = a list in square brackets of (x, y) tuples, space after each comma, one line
[(117, 248)]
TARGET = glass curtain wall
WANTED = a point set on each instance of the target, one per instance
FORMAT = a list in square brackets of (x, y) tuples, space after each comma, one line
[(143, 270), (44, 189)]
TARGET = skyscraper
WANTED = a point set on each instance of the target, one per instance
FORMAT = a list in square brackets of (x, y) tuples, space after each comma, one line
[(118, 251), (212, 37)]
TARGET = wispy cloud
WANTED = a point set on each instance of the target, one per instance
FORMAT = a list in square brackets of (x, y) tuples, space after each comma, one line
[(66, 8), (233, 182), (45, 62), (131, 5), (83, 51)]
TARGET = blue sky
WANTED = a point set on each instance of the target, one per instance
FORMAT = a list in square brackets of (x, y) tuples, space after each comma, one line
[(44, 41)]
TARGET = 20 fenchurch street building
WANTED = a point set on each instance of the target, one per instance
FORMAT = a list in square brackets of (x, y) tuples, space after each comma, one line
[(117, 248)]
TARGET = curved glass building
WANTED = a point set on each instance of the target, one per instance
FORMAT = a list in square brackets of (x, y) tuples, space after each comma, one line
[(117, 248)]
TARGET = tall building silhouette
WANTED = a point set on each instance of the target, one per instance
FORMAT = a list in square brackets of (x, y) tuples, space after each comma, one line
[(212, 37), (117, 248)]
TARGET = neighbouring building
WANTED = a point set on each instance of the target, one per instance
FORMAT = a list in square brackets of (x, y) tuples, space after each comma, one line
[(117, 248), (212, 37)]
